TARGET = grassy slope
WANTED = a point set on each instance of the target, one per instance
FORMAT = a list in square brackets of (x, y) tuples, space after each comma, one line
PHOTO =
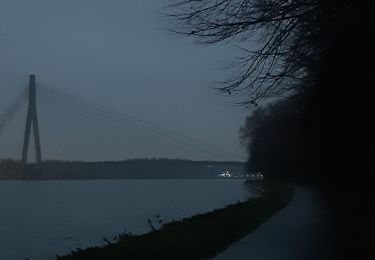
[(197, 237)]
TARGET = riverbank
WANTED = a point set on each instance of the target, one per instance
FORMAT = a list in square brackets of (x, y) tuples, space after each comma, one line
[(197, 237)]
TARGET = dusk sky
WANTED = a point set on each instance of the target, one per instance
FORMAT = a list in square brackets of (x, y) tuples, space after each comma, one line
[(121, 55)]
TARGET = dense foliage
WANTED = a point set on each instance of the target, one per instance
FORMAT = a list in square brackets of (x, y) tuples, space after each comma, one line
[(320, 55)]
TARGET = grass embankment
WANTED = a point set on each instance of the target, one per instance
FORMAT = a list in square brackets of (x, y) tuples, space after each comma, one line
[(197, 237)]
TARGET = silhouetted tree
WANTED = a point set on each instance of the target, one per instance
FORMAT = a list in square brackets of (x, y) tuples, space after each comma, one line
[(321, 55), (319, 49), (294, 38)]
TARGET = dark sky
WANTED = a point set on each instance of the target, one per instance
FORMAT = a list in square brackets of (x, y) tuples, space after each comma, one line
[(119, 54)]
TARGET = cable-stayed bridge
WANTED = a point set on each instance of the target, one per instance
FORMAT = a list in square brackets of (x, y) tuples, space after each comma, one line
[(62, 126)]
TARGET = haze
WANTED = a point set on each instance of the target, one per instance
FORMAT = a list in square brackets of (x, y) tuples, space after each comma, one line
[(118, 54)]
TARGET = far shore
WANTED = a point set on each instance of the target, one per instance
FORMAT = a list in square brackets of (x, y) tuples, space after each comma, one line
[(127, 169)]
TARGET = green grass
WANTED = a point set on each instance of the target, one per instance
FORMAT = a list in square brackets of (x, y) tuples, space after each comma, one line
[(198, 237)]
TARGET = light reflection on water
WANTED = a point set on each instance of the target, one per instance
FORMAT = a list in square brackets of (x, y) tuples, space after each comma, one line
[(40, 219)]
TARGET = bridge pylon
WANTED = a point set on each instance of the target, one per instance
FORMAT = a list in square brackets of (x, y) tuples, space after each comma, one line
[(32, 119)]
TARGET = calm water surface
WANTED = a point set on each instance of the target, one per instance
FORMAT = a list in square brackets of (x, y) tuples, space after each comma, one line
[(40, 219)]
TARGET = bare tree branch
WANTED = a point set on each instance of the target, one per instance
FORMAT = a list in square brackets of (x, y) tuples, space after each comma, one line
[(288, 41)]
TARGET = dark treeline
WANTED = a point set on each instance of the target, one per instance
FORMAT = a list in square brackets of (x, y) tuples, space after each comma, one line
[(317, 58), (306, 140), (320, 55), (324, 132), (274, 137)]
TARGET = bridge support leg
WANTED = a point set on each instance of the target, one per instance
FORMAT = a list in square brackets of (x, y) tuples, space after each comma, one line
[(32, 119)]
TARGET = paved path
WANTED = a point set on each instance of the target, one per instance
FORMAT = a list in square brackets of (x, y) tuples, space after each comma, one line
[(301, 231)]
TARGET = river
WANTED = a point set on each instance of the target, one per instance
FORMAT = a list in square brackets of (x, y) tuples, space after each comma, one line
[(39, 219)]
